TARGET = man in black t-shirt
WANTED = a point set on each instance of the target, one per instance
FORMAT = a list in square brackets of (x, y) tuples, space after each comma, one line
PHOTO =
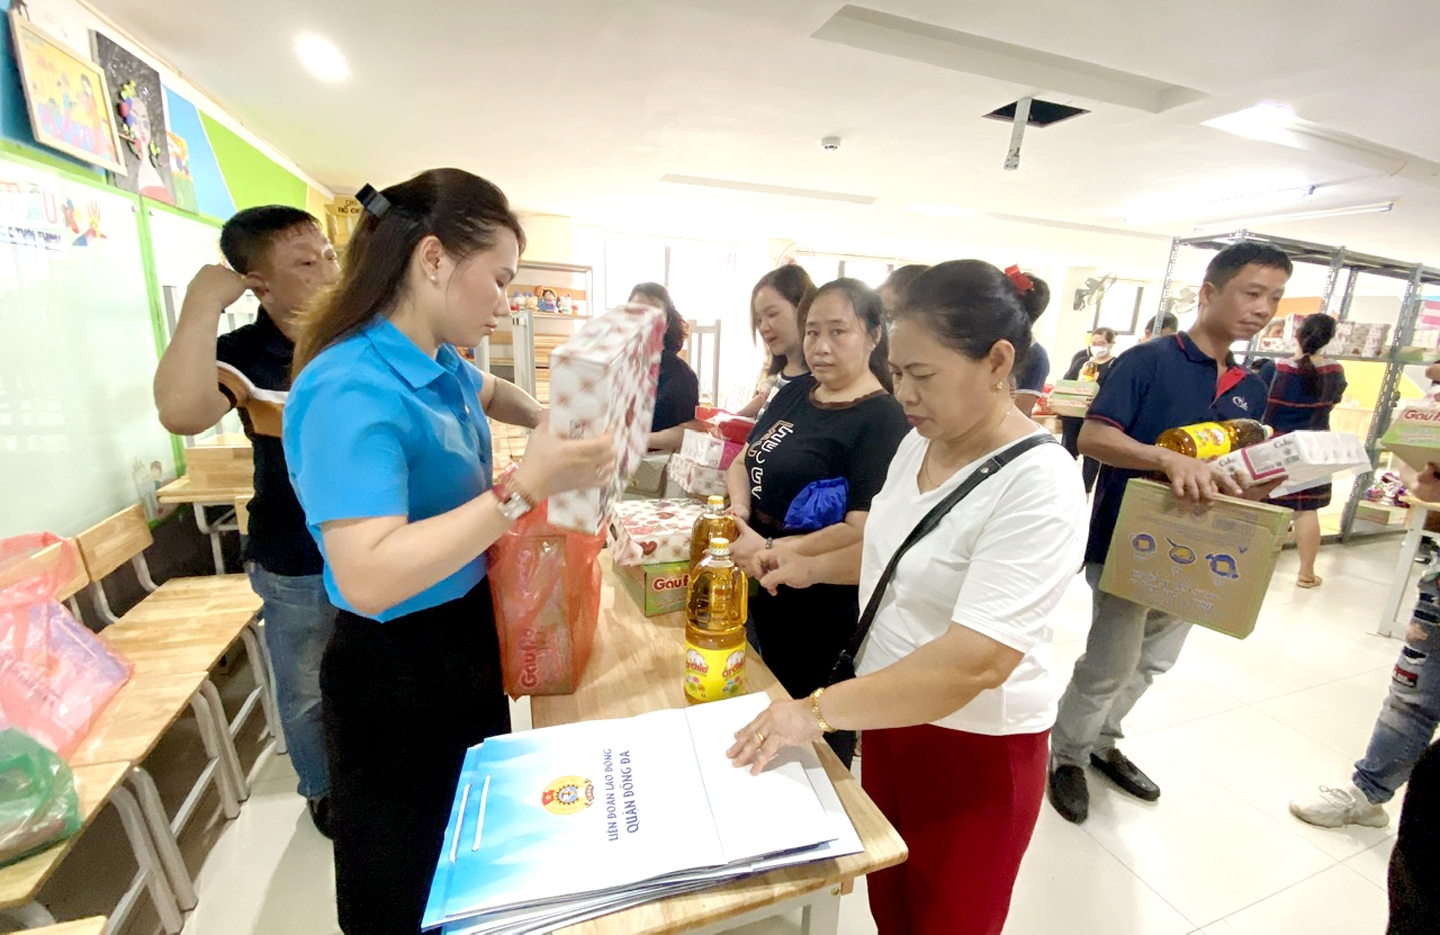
[(280, 254)]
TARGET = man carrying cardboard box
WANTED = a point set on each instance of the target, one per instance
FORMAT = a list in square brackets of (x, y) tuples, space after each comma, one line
[(1164, 384)]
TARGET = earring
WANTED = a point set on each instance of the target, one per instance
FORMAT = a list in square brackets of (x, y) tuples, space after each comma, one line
[(999, 387)]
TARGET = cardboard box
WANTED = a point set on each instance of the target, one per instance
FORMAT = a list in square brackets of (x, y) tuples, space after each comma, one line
[(1303, 459), (603, 379), (697, 480), (1414, 434), (703, 448), (1209, 565), (1383, 514), (653, 532), (1074, 406), (657, 589), (1085, 389)]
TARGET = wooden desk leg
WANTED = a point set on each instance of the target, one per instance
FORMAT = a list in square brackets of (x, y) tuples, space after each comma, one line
[(1399, 582), (148, 860), (822, 913)]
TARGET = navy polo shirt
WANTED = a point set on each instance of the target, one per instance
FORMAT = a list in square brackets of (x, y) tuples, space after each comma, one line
[(375, 427), (1161, 385)]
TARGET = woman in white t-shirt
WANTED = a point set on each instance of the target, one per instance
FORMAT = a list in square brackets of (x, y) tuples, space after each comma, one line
[(955, 693)]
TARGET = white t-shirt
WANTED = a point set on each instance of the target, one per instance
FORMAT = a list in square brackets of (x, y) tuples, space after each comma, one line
[(997, 564)]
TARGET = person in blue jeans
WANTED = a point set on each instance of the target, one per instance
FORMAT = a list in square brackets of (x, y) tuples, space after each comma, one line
[(1404, 729), (280, 254)]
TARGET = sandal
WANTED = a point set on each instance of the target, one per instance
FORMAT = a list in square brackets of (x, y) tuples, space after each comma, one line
[(1311, 582)]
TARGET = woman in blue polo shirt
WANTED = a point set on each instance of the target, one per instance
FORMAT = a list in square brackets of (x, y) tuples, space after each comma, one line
[(389, 451)]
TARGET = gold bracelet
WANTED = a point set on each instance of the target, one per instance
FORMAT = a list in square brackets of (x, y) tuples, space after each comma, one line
[(815, 710)]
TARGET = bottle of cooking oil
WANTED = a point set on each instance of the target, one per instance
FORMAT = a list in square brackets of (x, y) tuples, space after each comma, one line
[(1206, 440), (1090, 371), (715, 522), (715, 630)]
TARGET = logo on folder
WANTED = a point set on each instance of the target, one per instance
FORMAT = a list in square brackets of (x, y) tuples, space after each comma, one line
[(568, 795)]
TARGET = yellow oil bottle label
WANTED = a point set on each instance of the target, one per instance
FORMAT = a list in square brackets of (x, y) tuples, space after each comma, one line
[(713, 674), (1210, 438)]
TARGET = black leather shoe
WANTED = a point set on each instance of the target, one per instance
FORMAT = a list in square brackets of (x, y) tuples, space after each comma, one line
[(1069, 793), (1125, 774), (320, 814)]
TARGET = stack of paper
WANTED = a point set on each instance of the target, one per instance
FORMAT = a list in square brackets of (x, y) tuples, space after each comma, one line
[(559, 825)]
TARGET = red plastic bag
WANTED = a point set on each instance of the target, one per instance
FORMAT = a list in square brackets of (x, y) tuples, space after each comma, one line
[(546, 583), (55, 675)]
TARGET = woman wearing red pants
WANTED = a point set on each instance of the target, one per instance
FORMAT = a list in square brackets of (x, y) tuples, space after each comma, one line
[(954, 693)]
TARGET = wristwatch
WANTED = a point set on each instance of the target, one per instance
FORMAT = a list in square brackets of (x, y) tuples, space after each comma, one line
[(514, 502)]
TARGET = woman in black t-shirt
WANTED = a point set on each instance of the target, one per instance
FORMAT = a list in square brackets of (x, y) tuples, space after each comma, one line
[(815, 460), (677, 392)]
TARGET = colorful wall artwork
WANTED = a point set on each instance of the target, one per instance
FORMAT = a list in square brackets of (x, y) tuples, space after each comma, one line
[(139, 103), (66, 98)]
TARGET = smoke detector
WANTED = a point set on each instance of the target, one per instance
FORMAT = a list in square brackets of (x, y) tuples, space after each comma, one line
[(830, 144)]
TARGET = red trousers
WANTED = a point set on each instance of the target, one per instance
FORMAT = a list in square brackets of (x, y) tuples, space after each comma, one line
[(966, 805)]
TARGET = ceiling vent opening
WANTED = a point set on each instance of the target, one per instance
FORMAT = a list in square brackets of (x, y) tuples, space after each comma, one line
[(1042, 113)]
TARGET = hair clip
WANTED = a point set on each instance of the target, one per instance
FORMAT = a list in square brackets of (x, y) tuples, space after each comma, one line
[(374, 202), (1021, 281)]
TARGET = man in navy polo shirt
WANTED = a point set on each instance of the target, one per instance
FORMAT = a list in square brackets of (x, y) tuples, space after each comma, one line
[(1160, 385), (280, 254)]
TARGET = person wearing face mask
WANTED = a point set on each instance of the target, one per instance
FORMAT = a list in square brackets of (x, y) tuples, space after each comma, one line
[(1093, 363), (804, 483), (955, 687), (777, 304), (388, 449)]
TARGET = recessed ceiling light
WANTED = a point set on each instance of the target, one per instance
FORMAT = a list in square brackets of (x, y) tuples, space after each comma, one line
[(322, 58), (1264, 121), (946, 211)]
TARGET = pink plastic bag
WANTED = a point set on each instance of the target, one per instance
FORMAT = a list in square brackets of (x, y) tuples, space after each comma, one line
[(55, 675), (546, 583)]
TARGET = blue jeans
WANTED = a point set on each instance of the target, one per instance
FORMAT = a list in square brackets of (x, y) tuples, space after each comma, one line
[(299, 621), (1412, 709)]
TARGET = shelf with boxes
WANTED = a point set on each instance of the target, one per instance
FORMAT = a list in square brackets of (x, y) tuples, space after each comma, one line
[(1392, 345), (548, 303)]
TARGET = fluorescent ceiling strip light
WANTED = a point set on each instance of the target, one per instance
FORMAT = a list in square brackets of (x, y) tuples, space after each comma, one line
[(944, 211), (737, 186), (874, 31), (1377, 208), (1222, 205)]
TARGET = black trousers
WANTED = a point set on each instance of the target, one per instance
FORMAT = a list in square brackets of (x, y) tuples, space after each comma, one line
[(1415, 862), (403, 700)]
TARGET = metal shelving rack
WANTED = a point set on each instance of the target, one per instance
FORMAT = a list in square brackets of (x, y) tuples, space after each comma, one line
[(1340, 261)]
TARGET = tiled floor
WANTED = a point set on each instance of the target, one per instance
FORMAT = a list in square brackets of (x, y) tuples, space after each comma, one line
[(1231, 735)]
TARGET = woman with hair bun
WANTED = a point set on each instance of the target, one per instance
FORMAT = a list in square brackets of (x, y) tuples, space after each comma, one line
[(1305, 389), (955, 688)]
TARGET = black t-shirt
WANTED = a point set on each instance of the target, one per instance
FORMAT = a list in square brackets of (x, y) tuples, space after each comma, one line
[(676, 394), (279, 541), (800, 441)]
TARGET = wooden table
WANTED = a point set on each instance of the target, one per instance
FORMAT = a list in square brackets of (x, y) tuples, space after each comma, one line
[(184, 491), (636, 667), (1400, 581)]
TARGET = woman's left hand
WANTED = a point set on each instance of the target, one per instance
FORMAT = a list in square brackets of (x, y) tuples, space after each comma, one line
[(745, 546), (782, 725)]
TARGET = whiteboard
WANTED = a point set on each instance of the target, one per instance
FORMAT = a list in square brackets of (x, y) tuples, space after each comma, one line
[(181, 245), (79, 435)]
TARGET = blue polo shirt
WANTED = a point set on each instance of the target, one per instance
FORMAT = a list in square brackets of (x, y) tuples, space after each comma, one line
[(374, 427), (1160, 385)]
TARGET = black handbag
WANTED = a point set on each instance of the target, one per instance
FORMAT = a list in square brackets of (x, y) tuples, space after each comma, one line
[(843, 742)]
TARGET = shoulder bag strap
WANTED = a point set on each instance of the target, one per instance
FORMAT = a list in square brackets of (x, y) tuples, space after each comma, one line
[(931, 520)]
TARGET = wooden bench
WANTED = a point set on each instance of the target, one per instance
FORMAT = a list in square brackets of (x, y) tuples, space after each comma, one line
[(95, 925), (212, 611)]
